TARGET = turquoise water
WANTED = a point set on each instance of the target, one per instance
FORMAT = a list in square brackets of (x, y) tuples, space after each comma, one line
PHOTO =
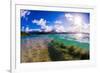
[(67, 39)]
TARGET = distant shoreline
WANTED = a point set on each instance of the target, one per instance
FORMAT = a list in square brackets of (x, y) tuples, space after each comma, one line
[(54, 32)]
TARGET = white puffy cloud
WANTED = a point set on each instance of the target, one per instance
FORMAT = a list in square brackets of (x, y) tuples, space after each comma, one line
[(77, 24), (58, 22), (39, 30), (43, 23), (40, 22), (78, 20), (24, 13), (59, 28), (83, 28), (48, 28), (69, 16), (23, 28), (27, 29), (86, 28)]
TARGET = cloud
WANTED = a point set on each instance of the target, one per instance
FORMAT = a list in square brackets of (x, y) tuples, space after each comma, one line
[(24, 13), (40, 22), (43, 24), (86, 28), (83, 28), (78, 20), (69, 16), (23, 28), (58, 22), (48, 28), (77, 24), (27, 29), (59, 28)]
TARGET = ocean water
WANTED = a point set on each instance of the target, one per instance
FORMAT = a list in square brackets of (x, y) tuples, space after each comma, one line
[(78, 40)]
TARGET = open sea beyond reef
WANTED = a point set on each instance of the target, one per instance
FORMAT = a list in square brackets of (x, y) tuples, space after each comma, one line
[(67, 39)]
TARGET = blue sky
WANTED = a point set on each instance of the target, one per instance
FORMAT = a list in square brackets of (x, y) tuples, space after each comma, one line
[(47, 21)]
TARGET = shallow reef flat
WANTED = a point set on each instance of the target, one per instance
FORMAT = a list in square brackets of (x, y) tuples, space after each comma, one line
[(43, 50)]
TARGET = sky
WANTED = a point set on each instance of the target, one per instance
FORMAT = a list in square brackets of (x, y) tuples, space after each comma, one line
[(56, 21)]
